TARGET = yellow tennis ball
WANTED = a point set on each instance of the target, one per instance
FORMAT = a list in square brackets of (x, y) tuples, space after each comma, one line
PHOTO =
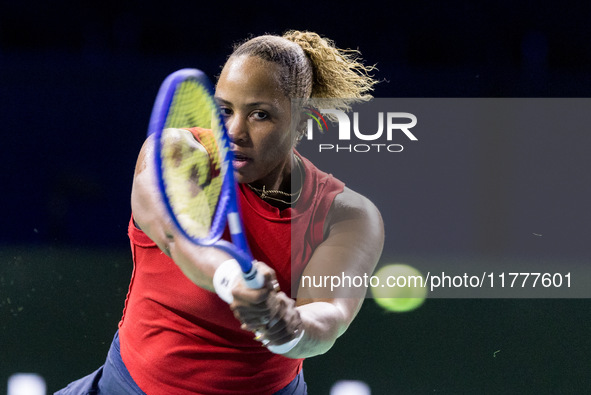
[(401, 288)]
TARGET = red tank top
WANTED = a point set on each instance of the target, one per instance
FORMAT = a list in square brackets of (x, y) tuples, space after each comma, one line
[(177, 338)]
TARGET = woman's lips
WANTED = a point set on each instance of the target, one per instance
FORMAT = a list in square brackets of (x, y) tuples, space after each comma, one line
[(240, 160)]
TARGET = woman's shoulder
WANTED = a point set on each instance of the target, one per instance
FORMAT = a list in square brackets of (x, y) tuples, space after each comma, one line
[(354, 207), (351, 203)]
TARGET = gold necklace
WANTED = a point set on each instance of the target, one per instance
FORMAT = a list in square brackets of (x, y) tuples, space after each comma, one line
[(264, 192)]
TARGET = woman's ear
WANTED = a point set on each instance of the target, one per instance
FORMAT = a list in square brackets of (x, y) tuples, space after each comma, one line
[(299, 125)]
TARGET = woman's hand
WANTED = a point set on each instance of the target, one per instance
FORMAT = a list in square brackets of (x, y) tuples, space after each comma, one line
[(268, 312)]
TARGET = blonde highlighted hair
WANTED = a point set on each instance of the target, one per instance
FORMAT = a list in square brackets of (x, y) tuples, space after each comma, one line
[(312, 66)]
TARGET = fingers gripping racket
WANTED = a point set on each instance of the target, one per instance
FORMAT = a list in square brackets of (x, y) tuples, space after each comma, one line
[(194, 167)]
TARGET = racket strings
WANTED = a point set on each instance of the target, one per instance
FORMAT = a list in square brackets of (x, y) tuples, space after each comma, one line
[(191, 106), (192, 159)]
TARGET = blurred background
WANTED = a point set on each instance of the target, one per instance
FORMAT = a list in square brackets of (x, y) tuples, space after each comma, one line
[(77, 84)]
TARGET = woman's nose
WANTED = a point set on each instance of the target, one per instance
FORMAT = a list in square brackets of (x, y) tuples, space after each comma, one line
[(237, 130)]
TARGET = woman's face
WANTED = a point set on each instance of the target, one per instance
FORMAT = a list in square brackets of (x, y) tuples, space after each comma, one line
[(258, 118)]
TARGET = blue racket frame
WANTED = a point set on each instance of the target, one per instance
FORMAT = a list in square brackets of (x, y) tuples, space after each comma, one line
[(227, 211)]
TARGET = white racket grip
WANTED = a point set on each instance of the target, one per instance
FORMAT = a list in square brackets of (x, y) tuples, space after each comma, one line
[(286, 347), (225, 278)]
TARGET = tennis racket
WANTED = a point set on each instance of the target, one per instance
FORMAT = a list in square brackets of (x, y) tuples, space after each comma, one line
[(195, 174), (194, 167)]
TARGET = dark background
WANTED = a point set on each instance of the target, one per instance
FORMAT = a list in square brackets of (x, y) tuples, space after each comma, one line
[(77, 83)]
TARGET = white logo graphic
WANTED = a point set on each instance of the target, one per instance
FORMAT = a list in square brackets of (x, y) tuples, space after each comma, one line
[(390, 125)]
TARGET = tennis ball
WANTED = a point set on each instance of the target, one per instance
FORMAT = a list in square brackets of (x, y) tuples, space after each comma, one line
[(400, 288)]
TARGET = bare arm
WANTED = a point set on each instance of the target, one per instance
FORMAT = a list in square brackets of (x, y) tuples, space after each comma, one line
[(352, 248), (149, 213)]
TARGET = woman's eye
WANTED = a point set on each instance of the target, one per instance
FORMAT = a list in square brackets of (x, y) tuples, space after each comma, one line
[(226, 112), (259, 115)]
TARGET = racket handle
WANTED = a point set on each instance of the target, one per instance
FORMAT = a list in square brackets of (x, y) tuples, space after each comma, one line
[(225, 278), (253, 279), (229, 273)]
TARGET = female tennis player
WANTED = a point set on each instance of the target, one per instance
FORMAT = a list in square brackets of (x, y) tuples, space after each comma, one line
[(177, 336)]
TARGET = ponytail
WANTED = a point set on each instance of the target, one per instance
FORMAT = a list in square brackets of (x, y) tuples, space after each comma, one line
[(312, 66), (337, 73)]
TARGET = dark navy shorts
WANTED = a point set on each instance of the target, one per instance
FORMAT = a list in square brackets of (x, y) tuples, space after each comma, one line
[(113, 378)]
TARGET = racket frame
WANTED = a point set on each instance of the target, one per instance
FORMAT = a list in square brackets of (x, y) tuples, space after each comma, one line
[(227, 210)]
